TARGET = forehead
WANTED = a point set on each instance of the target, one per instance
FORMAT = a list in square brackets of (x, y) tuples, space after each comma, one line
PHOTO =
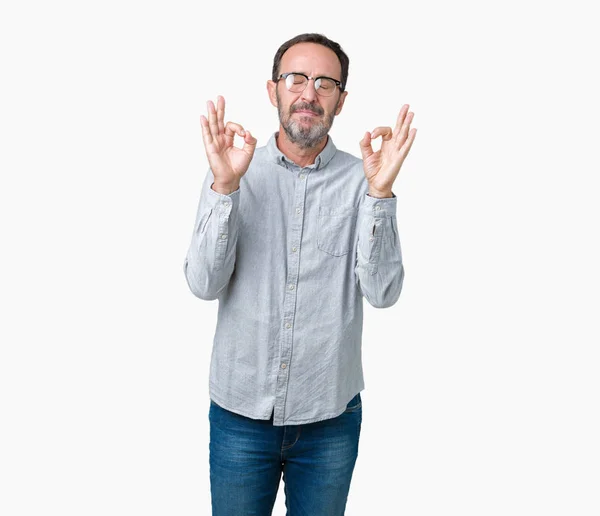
[(312, 59)]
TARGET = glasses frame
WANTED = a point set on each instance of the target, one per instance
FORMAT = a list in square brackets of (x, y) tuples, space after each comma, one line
[(337, 83)]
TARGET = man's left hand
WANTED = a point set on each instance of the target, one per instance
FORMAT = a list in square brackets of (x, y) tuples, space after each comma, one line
[(382, 167)]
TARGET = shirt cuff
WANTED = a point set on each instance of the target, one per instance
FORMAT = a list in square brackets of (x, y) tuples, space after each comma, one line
[(379, 208)]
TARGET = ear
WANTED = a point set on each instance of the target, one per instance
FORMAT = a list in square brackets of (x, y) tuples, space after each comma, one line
[(341, 102), (271, 85)]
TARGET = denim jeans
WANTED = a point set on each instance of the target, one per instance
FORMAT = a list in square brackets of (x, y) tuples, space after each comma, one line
[(249, 456)]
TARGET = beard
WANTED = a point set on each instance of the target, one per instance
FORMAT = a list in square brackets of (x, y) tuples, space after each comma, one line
[(305, 136)]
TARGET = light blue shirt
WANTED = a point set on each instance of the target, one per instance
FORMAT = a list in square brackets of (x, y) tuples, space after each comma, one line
[(290, 255)]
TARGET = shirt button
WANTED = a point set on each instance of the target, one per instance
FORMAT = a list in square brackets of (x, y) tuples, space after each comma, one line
[(377, 208), (294, 249), (301, 176), (288, 325), (283, 366), (223, 237), (298, 210), (291, 287)]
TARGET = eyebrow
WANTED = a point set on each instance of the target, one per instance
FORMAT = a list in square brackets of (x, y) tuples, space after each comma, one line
[(317, 76)]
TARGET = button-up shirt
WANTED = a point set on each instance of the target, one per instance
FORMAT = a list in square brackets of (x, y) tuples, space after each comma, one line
[(290, 255)]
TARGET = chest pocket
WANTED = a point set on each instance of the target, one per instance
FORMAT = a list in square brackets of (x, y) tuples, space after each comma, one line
[(335, 229)]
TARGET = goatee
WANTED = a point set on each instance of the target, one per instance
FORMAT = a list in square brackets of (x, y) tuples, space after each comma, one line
[(305, 136)]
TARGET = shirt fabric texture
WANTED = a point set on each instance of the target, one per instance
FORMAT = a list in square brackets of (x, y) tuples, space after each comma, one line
[(290, 255)]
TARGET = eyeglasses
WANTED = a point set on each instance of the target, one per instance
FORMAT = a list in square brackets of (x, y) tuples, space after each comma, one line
[(297, 82)]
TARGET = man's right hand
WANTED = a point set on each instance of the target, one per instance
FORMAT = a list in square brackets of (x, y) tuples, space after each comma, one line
[(228, 163)]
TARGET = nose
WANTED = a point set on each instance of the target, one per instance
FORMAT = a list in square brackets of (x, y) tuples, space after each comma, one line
[(310, 93)]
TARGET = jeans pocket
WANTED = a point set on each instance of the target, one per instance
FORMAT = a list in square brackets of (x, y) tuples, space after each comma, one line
[(335, 229), (354, 405)]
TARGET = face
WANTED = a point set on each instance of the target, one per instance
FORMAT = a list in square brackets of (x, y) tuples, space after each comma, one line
[(307, 117)]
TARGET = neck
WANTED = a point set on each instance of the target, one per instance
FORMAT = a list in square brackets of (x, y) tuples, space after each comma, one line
[(302, 157)]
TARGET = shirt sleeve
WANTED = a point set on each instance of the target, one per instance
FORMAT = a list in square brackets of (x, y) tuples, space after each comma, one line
[(379, 269), (210, 259)]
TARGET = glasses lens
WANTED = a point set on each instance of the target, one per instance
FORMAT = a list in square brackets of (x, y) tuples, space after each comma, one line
[(325, 87), (295, 83)]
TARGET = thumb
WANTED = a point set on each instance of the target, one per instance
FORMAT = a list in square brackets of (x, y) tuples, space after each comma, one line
[(365, 146), (249, 143)]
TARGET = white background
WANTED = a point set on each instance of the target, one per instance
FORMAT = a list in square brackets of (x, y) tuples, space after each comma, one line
[(482, 382)]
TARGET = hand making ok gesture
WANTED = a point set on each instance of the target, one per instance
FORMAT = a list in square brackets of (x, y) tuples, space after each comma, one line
[(228, 163), (382, 167)]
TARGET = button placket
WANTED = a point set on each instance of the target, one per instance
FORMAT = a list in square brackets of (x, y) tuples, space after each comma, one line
[(224, 210), (295, 227), (375, 238)]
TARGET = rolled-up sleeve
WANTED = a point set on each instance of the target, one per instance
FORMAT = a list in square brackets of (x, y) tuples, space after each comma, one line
[(210, 259), (379, 268)]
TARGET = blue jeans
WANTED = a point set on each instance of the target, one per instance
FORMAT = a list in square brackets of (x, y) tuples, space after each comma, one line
[(248, 457)]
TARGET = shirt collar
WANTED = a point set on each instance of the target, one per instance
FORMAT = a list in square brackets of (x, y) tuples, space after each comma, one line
[(276, 156)]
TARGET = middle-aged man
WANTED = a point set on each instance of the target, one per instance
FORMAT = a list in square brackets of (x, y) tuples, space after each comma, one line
[(289, 238)]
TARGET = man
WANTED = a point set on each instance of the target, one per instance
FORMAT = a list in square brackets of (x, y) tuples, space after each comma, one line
[(289, 237)]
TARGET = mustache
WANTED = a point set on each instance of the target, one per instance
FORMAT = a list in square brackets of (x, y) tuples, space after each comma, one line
[(305, 106)]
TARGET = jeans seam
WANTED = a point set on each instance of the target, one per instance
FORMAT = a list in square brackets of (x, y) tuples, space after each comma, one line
[(286, 448)]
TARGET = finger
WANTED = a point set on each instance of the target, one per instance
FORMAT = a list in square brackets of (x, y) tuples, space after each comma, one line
[(408, 143), (212, 119), (384, 132), (401, 137), (220, 113), (400, 119), (249, 143), (231, 129), (365, 146), (206, 136)]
